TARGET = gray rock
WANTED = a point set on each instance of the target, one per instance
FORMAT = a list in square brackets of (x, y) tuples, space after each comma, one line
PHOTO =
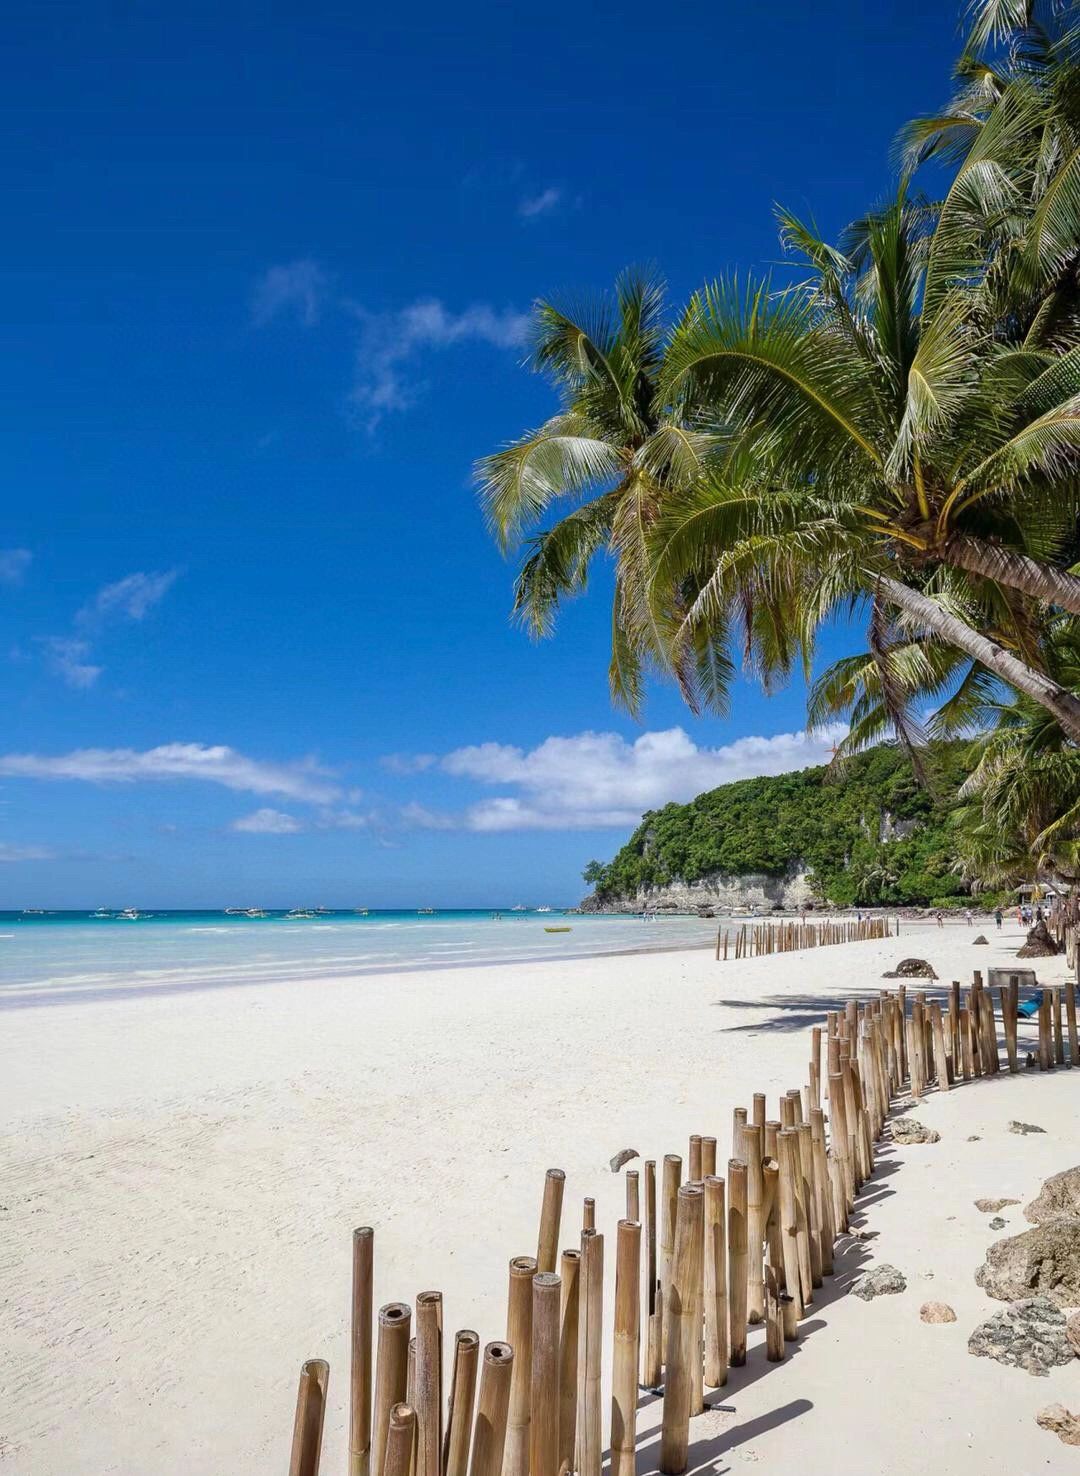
[(1060, 1195), (1072, 1331), (1045, 1261), (1060, 1422), (997, 1223), (1028, 1334), (974, 1138), (991, 1206), (907, 1130), (623, 1156), (881, 1281), (1024, 1128)]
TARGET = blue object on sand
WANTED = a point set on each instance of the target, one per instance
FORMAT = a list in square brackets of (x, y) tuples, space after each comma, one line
[(1030, 1007)]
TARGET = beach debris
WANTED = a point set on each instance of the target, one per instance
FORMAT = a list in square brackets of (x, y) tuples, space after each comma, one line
[(911, 968), (1023, 1128), (936, 1312), (857, 1234), (1045, 1260), (1060, 1195), (624, 1155), (880, 1281), (908, 1130), (1072, 1331), (974, 1138), (1057, 1419), (991, 1206), (1040, 943), (997, 1223), (980, 939), (1028, 1334)]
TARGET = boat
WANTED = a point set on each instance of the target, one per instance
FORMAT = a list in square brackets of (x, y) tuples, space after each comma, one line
[(425, 912), (519, 908), (254, 912), (102, 912), (324, 911), (129, 914), (362, 911), (236, 912), (559, 930), (33, 912), (299, 912), (543, 909)]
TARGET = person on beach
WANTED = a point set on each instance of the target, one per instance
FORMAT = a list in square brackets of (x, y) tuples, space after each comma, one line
[(940, 919), (998, 917), (969, 916)]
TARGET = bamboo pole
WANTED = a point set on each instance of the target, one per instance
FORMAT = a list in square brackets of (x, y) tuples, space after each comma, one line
[(708, 1161), (547, 1246), (363, 1247), (774, 1319), (519, 1336), (841, 1145), (459, 1413), (633, 1201), (310, 1415), (1010, 1000), (1059, 1042), (588, 1214), (757, 1109), (401, 1440), (1046, 1059), (789, 1219), (683, 1331), (716, 1302), (624, 1391), (590, 1334), (429, 1391), (738, 1122), (654, 1355), (693, 1162), (544, 1380), (1070, 1017), (568, 1356), (822, 1189), (772, 1127), (489, 1432), (966, 1051), (813, 1224), (391, 1373), (669, 1192), (754, 1144), (737, 1252), (940, 1066)]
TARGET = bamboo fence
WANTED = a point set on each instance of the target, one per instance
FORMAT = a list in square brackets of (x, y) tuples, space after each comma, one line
[(751, 1248), (791, 935)]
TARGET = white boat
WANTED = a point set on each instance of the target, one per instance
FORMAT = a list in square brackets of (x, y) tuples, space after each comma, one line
[(425, 912), (324, 912), (300, 912), (254, 912), (102, 912), (543, 909), (362, 911), (33, 912), (129, 914), (519, 908)]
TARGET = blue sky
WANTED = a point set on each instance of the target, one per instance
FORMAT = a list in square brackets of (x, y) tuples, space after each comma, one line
[(266, 273)]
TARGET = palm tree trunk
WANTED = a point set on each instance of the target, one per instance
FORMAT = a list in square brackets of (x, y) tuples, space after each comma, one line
[(1005, 566), (1034, 684)]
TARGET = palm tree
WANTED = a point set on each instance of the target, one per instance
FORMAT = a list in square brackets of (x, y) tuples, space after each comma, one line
[(894, 451), (607, 459)]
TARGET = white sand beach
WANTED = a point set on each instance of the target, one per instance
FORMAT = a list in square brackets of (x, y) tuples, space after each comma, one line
[(181, 1176)]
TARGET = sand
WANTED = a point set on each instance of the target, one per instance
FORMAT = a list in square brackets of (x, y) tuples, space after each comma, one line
[(181, 1176)]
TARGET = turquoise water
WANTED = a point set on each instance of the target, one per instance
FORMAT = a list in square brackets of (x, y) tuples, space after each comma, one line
[(61, 957)]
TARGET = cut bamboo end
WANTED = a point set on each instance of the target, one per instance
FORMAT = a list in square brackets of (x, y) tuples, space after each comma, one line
[(363, 1255), (401, 1440), (547, 1247), (708, 1159), (633, 1196), (309, 1418), (459, 1414), (588, 1214), (391, 1373), (489, 1433)]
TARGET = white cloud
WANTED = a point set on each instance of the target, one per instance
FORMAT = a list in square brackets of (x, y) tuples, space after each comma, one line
[(599, 780), (24, 853), (14, 563), (425, 819), (408, 763), (67, 657), (297, 287), (133, 597), (389, 341), (268, 822), (172, 762), (541, 204)]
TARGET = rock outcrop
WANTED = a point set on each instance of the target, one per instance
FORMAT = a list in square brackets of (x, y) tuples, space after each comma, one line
[(1044, 1262), (881, 1281), (908, 1130), (1030, 1334), (1060, 1422), (719, 891), (1060, 1195)]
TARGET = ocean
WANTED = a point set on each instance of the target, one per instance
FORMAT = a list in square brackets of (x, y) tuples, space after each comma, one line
[(52, 958)]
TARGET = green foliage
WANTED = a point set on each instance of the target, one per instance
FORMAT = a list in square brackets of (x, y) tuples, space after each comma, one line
[(869, 834)]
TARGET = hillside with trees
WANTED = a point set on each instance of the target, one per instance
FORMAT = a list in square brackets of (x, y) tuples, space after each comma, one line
[(869, 833)]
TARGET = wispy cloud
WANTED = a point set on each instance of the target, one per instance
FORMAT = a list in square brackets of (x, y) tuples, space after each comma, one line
[(14, 563), (132, 597), (390, 343), (542, 204), (298, 288), (267, 822), (67, 657), (10, 853), (599, 780), (408, 763), (178, 762)]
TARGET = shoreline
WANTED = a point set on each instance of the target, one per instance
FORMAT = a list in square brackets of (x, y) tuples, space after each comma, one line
[(180, 1192)]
